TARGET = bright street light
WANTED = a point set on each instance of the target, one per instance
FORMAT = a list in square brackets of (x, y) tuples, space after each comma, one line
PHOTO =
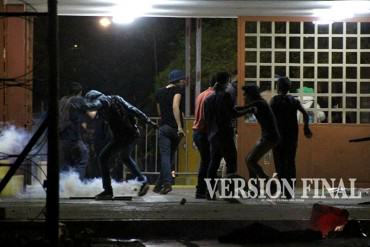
[(105, 22)]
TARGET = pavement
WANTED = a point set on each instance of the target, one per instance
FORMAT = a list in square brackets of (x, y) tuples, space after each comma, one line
[(169, 207), (173, 219)]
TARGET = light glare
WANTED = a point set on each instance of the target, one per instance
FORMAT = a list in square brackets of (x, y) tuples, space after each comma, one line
[(127, 11), (341, 11), (105, 22)]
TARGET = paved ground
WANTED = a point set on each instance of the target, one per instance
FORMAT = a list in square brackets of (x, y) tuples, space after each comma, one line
[(165, 217), (154, 206), (213, 243)]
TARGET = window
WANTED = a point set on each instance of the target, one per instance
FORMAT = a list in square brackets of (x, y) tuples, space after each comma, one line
[(329, 65)]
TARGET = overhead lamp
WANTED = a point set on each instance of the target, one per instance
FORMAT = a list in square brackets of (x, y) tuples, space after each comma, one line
[(126, 11), (341, 11), (332, 15), (105, 22)]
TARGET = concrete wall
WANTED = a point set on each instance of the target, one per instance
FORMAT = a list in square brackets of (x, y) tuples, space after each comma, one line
[(327, 155), (16, 62)]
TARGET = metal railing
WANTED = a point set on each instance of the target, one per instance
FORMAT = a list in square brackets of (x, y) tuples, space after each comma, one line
[(147, 154)]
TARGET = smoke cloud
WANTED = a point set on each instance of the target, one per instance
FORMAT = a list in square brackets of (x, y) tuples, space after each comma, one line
[(13, 139), (72, 186)]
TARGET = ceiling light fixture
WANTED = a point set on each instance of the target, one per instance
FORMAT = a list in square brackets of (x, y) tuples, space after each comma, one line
[(126, 11), (341, 11), (105, 22)]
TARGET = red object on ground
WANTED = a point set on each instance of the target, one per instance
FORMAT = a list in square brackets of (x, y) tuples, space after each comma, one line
[(326, 218)]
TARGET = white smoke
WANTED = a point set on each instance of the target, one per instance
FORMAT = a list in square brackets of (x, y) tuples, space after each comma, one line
[(72, 186), (13, 139)]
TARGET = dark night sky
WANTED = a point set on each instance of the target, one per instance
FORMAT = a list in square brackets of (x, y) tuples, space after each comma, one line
[(115, 60)]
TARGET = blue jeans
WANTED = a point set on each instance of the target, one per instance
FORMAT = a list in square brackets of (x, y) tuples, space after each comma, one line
[(106, 158), (201, 141), (168, 142), (74, 155)]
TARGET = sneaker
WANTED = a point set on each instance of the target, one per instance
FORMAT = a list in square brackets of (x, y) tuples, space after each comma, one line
[(157, 188), (105, 195), (144, 185), (165, 189), (143, 189), (141, 179)]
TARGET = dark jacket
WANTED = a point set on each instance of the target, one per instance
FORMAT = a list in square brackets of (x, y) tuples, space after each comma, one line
[(218, 113), (285, 108), (119, 114)]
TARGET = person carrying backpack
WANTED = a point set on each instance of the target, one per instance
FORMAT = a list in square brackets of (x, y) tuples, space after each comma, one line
[(120, 116)]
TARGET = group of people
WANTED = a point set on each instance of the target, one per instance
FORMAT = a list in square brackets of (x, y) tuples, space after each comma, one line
[(214, 136), (213, 131), (119, 115), (113, 123)]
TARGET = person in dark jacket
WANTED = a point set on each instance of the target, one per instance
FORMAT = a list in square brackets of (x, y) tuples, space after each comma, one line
[(73, 151), (120, 116), (285, 108), (219, 113), (269, 131)]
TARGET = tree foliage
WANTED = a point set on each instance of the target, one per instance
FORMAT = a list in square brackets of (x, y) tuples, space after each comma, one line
[(219, 50)]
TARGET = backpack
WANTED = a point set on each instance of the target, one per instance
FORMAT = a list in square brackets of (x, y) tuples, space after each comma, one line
[(128, 121)]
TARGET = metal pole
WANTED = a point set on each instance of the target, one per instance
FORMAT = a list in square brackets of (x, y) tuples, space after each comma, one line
[(187, 65), (156, 148), (198, 57), (146, 148), (52, 195)]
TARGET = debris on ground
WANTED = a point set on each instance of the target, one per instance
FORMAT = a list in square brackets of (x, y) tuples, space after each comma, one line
[(183, 201), (326, 218)]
